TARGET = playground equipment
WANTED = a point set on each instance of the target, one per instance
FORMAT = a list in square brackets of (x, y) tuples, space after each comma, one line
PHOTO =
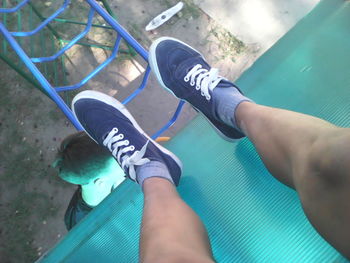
[(41, 74), (250, 216)]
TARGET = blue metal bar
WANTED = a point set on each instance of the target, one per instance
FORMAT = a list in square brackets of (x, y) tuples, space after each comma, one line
[(51, 91), (95, 71), (70, 44), (13, 9), (63, 20), (171, 121), (41, 79), (121, 31), (142, 86), (133, 43), (44, 23)]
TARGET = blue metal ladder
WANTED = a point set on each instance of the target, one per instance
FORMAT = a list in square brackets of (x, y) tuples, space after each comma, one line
[(53, 92)]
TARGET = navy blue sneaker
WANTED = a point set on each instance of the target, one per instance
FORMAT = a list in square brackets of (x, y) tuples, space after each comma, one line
[(110, 124), (184, 72)]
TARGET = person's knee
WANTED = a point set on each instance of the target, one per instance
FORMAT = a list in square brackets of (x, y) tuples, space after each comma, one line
[(327, 159), (322, 180)]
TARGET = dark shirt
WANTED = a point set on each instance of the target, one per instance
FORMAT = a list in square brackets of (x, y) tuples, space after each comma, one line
[(76, 210)]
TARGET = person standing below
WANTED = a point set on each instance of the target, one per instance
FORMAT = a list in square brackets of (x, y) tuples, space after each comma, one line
[(82, 162)]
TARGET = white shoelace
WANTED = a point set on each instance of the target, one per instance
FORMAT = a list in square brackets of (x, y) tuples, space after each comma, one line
[(203, 79), (114, 142)]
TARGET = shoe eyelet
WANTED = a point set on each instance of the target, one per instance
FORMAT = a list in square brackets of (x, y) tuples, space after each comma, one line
[(208, 98), (127, 142), (132, 147), (186, 79), (121, 136), (202, 94), (198, 87), (115, 129), (192, 83)]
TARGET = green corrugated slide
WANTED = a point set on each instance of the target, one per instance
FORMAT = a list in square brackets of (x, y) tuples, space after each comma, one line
[(250, 216)]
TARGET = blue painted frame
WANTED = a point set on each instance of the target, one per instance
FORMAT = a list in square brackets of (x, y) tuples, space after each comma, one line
[(44, 23), (14, 9), (53, 92), (95, 71), (71, 43)]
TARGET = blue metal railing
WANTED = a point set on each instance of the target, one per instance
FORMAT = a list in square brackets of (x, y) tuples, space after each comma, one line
[(95, 71), (44, 23), (171, 121), (14, 9), (53, 91), (117, 27), (142, 86), (39, 76), (70, 44)]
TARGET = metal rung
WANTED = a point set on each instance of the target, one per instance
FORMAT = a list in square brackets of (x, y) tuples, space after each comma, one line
[(142, 86), (14, 9), (171, 121), (70, 44), (52, 91), (40, 77), (95, 71), (117, 27), (44, 23)]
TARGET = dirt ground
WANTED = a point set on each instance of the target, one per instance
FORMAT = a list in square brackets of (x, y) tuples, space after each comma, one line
[(32, 197)]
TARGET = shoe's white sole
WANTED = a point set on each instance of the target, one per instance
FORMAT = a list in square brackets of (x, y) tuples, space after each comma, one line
[(91, 94), (152, 59)]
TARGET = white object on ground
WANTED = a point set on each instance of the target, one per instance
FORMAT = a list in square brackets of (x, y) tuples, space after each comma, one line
[(163, 17)]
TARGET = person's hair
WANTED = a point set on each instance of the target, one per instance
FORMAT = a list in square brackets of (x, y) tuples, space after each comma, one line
[(79, 159)]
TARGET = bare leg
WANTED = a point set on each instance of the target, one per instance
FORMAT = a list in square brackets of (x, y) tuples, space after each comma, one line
[(310, 155), (171, 231)]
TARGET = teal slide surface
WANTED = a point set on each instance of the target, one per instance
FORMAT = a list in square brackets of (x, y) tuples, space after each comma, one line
[(250, 216)]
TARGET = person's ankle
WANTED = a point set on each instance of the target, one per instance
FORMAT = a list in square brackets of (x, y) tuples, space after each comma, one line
[(228, 99), (153, 169), (239, 114)]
